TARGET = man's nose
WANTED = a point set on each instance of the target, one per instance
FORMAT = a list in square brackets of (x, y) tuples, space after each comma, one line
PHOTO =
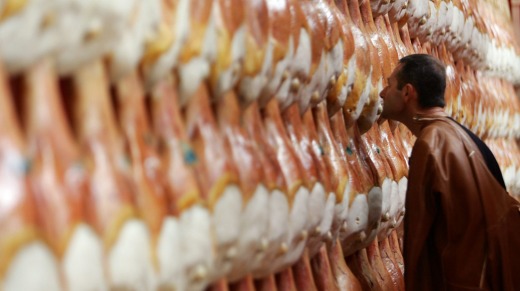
[(382, 93)]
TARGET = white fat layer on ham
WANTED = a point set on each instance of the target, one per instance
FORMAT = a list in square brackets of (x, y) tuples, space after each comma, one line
[(302, 57), (169, 252), (298, 231), (197, 246), (342, 96), (278, 84), (335, 59), (196, 70), (427, 30), (394, 208), (33, 268), (380, 7), (448, 19), (375, 200), (316, 206), (443, 14), (129, 50), (330, 65), (314, 86), (363, 221), (298, 219), (387, 197), (403, 186), (91, 32), (351, 76), (300, 66), (357, 220), (251, 86), (458, 21), (317, 210), (226, 215), (84, 255), (341, 210), (363, 98), (226, 227), (254, 224), (416, 9), (229, 77), (74, 32), (168, 60), (129, 260), (386, 206), (255, 218), (397, 9), (277, 232), (467, 30), (372, 115), (282, 94), (328, 217), (279, 211)]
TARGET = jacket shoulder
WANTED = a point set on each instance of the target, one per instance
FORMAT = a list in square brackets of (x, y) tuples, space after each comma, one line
[(440, 135)]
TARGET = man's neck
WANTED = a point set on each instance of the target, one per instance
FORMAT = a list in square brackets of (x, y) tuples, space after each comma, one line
[(414, 126)]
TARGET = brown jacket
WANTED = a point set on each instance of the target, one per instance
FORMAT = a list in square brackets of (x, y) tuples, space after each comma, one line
[(451, 241)]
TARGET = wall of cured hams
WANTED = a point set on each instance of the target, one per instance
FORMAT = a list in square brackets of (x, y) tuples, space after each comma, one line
[(227, 144)]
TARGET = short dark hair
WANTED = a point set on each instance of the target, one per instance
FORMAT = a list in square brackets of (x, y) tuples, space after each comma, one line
[(427, 75)]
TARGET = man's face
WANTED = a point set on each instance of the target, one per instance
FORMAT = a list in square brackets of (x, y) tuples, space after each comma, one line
[(393, 104)]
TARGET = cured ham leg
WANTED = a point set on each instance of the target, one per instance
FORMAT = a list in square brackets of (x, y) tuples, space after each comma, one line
[(282, 20), (184, 199), (360, 266), (297, 192), (360, 190), (322, 270), (362, 67), (110, 205), (323, 230), (327, 53), (258, 54), (382, 275), (302, 144), (148, 175), (199, 50), (255, 217), (345, 279), (266, 284), (337, 95), (225, 70), (219, 285), (340, 177), (379, 56), (285, 281), (245, 284), (275, 243), (395, 246), (28, 263), (218, 182), (391, 265), (302, 273), (59, 182)]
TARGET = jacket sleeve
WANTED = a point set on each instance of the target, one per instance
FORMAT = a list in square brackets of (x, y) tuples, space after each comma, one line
[(421, 210)]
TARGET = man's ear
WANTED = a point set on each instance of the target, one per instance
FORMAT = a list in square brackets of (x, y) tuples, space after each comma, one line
[(409, 92)]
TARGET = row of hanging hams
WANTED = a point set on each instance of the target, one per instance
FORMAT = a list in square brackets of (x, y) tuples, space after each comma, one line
[(229, 145), (138, 193)]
